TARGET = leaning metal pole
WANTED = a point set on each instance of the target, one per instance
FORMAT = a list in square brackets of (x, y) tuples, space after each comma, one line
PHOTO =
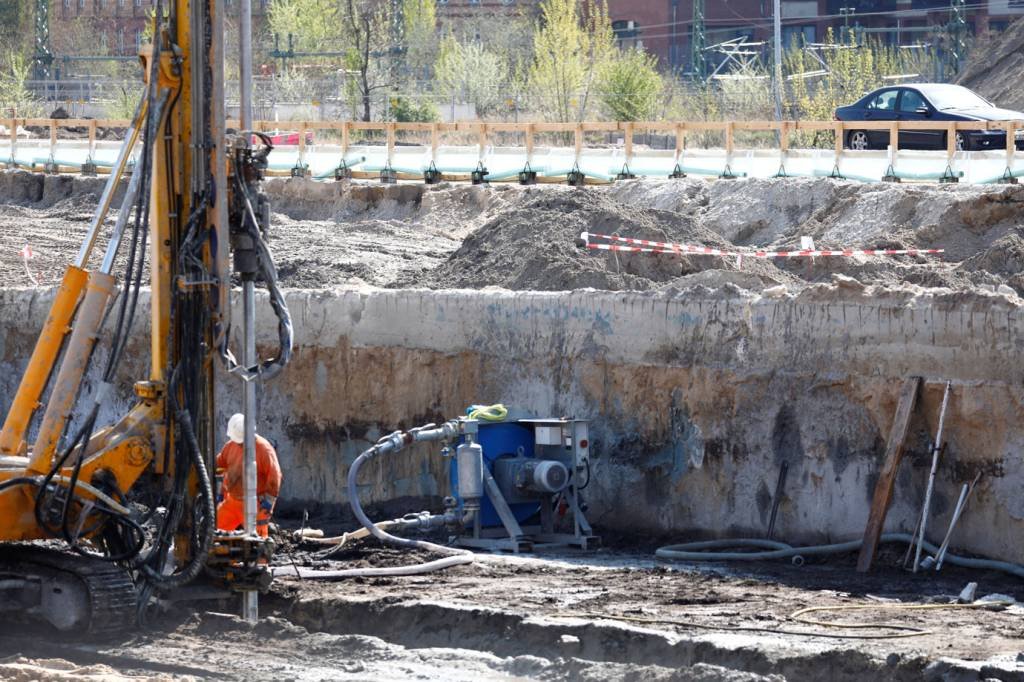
[(250, 603)]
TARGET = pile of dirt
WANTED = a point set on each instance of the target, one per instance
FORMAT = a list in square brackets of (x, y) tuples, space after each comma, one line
[(537, 246), (995, 65), (325, 235)]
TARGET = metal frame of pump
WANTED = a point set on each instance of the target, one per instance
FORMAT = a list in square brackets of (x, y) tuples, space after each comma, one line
[(559, 445), (563, 446)]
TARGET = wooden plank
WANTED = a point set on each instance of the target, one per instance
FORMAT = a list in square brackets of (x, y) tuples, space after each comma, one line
[(680, 141), (840, 134), (346, 137), (887, 477), (784, 136), (951, 140), (730, 139), (481, 142), (554, 127), (391, 141), (627, 142), (894, 136), (92, 138), (1011, 141), (529, 142), (578, 140), (654, 126)]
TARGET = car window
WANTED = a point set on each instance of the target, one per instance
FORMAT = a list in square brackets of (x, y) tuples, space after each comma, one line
[(883, 101), (911, 101)]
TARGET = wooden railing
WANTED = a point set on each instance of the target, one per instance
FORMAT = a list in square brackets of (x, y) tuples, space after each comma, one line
[(482, 130)]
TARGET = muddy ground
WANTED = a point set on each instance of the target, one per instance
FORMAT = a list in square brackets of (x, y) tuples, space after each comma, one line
[(601, 615), (520, 617), (527, 238)]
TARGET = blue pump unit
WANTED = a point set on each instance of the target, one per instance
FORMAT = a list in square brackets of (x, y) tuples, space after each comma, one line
[(500, 439)]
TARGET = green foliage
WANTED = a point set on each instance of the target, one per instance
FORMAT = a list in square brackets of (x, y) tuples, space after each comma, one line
[(312, 23), (14, 95), (629, 86), (419, 31), (407, 109), (124, 103), (571, 44), (852, 72), (469, 72)]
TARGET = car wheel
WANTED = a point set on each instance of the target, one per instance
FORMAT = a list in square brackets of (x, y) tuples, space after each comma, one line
[(858, 141), (961, 142)]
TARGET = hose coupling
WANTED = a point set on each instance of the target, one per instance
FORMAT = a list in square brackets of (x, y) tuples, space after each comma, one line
[(390, 443)]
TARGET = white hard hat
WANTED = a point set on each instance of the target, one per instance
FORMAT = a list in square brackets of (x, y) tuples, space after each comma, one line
[(236, 427)]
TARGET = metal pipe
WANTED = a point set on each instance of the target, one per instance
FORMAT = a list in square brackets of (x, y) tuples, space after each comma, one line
[(108, 190), (250, 603), (245, 73), (219, 211), (965, 495), (72, 369), (40, 365), (122, 220), (936, 450), (929, 561), (777, 70)]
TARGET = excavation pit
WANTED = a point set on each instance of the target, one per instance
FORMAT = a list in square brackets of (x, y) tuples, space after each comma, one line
[(700, 377)]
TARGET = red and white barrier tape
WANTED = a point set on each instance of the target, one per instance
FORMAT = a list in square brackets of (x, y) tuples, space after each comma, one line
[(648, 246), (28, 254)]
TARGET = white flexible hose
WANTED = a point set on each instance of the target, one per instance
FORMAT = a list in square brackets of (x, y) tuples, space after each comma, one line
[(417, 569), (770, 549)]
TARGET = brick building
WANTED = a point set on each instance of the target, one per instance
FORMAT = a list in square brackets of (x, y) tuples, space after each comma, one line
[(460, 9), (664, 27), (112, 27)]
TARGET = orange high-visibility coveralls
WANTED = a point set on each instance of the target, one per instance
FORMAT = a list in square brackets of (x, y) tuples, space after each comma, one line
[(231, 511)]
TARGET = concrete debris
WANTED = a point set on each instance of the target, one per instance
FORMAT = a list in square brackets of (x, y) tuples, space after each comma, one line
[(968, 593)]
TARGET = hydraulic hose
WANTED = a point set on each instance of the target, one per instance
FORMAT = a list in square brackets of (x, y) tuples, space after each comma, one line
[(389, 444), (770, 549)]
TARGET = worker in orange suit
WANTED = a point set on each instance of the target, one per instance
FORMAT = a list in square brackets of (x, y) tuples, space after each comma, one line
[(231, 510)]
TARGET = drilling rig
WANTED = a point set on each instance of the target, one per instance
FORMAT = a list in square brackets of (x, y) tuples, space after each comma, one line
[(127, 509)]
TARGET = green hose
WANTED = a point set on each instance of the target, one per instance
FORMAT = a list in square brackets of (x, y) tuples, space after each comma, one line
[(695, 551), (487, 413)]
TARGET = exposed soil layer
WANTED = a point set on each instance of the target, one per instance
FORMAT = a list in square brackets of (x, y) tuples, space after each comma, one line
[(527, 238)]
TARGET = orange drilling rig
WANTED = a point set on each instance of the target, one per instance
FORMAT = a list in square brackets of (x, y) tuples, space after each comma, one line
[(127, 510)]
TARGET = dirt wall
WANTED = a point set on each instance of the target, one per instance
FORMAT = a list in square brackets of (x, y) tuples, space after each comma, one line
[(696, 397)]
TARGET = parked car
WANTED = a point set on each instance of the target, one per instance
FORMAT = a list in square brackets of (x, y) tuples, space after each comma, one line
[(927, 102)]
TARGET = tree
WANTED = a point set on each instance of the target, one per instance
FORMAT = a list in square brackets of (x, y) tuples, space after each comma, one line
[(372, 48), (629, 86), (310, 22), (571, 44), (17, 29), (419, 33), (15, 97), (470, 73)]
